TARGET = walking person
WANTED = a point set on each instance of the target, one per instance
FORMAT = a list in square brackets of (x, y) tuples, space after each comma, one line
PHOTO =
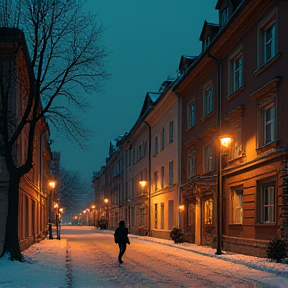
[(121, 238)]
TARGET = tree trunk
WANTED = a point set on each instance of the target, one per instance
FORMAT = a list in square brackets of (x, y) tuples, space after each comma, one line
[(11, 240)]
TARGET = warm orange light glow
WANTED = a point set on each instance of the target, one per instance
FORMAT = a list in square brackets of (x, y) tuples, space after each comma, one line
[(181, 208), (75, 217), (225, 141), (52, 184), (55, 205), (106, 201), (61, 210), (93, 206), (143, 183), (84, 211)]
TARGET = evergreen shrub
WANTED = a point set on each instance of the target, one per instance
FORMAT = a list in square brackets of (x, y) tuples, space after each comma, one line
[(176, 235), (277, 250)]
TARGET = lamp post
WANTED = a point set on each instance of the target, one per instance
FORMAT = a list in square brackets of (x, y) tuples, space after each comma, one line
[(225, 142), (52, 185), (93, 210), (57, 219), (106, 201)]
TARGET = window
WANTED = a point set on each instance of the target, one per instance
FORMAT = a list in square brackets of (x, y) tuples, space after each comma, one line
[(170, 173), (267, 202), (156, 144), (156, 216), (162, 216), (236, 205), (191, 162), (224, 16), (207, 165), (191, 119), (267, 39), (236, 71), (163, 139), (207, 100), (208, 211), (162, 177), (207, 41), (156, 180), (170, 214), (171, 131), (269, 43), (267, 124)]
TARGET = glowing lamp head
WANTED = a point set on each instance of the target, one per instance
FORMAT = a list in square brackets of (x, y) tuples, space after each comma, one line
[(143, 183), (225, 141)]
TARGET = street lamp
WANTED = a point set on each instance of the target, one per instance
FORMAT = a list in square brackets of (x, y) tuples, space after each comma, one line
[(52, 185), (57, 219), (106, 201), (225, 142), (93, 207)]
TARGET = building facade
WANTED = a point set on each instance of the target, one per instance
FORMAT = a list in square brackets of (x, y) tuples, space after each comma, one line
[(33, 189)]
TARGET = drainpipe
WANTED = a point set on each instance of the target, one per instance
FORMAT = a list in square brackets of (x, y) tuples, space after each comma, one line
[(219, 164), (149, 179), (179, 141)]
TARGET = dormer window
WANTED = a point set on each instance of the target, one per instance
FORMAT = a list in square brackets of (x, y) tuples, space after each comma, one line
[(207, 42), (224, 16)]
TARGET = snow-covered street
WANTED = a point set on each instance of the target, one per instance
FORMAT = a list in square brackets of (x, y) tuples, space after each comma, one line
[(85, 257)]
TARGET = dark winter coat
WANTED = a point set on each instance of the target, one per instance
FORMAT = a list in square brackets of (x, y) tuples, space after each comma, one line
[(121, 235)]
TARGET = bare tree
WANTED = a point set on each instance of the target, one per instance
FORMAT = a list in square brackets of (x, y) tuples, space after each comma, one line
[(68, 61), (74, 193)]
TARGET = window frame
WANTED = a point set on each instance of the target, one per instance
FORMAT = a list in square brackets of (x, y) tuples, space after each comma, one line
[(233, 209), (268, 22), (171, 131), (207, 158), (208, 93), (191, 114), (156, 144), (191, 165), (171, 173), (262, 206), (262, 107), (208, 213)]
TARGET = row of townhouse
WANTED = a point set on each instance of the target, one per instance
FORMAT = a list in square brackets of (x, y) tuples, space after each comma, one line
[(232, 197), (34, 192)]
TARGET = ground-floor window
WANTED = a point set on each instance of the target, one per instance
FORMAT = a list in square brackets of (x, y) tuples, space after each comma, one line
[(170, 214), (208, 211), (266, 209), (236, 205), (156, 216)]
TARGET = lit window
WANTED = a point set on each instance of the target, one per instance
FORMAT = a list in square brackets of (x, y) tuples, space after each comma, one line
[(208, 100), (162, 216), (236, 205), (156, 216), (191, 119), (208, 211)]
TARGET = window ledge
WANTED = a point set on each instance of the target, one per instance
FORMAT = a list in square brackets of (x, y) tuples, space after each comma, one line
[(237, 160), (235, 93), (204, 118), (267, 147), (267, 64), (265, 224)]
